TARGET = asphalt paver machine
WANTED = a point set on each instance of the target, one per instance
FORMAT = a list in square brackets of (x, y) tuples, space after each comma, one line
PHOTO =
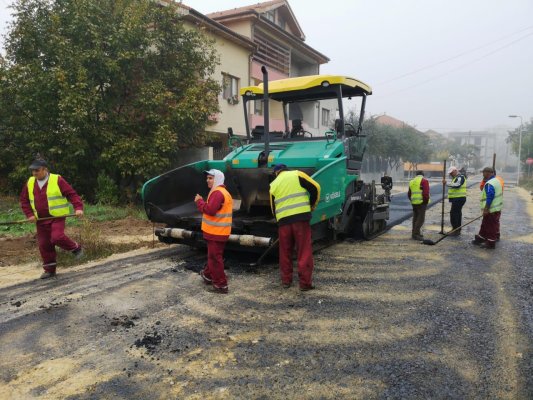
[(348, 206)]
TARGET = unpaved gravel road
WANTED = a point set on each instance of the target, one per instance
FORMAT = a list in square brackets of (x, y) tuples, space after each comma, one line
[(390, 318)]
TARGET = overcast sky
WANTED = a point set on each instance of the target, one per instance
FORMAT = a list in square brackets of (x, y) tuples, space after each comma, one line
[(446, 65)]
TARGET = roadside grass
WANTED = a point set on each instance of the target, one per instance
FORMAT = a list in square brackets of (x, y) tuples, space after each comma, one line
[(94, 244), (10, 211), (527, 183), (87, 230)]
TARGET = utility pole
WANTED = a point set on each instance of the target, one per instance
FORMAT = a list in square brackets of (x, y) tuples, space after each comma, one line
[(519, 147)]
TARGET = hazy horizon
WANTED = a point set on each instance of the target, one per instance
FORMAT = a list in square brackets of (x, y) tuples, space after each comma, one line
[(442, 65)]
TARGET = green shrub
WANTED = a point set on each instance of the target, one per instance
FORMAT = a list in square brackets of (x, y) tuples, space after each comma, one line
[(106, 190)]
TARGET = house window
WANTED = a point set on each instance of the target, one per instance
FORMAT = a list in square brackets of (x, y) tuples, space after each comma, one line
[(270, 15), (258, 107), (230, 88), (282, 23), (325, 117)]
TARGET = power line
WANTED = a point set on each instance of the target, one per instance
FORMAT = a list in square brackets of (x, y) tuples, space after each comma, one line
[(454, 57), (459, 67)]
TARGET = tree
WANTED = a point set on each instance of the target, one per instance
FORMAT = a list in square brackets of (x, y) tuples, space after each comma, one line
[(527, 140), (113, 86), (396, 144)]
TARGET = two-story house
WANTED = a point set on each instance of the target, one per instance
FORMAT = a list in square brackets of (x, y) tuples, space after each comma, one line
[(280, 46), (235, 53)]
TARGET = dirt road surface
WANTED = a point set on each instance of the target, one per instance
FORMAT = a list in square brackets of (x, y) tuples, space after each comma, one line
[(390, 318)]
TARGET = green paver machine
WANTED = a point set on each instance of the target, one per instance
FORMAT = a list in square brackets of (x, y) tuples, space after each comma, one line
[(348, 207)]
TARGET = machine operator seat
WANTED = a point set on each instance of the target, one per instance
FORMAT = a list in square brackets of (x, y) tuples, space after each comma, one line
[(297, 128), (257, 132)]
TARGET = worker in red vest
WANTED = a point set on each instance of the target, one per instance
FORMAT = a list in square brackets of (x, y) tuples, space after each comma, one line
[(47, 195), (217, 213)]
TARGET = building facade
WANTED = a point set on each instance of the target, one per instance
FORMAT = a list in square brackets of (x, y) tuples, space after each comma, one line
[(280, 46)]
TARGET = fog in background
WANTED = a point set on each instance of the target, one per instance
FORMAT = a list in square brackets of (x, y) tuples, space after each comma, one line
[(446, 65)]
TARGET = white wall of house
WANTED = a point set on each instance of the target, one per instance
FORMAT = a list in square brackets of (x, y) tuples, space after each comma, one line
[(235, 62), (243, 28)]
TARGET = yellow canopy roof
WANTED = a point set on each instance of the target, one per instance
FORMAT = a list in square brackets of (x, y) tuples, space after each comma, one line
[(317, 86)]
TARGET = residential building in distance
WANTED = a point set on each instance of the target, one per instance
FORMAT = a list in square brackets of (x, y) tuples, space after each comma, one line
[(488, 144)]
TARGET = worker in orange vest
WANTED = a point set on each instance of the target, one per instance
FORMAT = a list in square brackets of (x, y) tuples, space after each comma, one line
[(217, 214)]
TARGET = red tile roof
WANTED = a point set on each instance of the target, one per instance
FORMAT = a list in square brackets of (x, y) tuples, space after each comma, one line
[(259, 7)]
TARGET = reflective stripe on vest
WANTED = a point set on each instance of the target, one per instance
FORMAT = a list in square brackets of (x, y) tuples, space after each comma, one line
[(290, 197), (455, 192), (416, 190), (497, 202), (220, 223), (58, 204)]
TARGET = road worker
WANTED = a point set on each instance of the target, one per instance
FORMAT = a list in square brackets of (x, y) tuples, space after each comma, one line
[(491, 206), (457, 198), (418, 193), (217, 214), (293, 197), (44, 196)]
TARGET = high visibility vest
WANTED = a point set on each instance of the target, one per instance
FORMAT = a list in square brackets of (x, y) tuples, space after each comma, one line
[(290, 198), (220, 223), (58, 204), (455, 192), (416, 190), (497, 202)]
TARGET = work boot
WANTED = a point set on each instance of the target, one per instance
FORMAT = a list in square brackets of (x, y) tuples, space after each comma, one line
[(48, 274), (219, 290), (456, 233), (417, 236), (286, 285), (207, 281), (306, 288), (477, 240), (78, 253)]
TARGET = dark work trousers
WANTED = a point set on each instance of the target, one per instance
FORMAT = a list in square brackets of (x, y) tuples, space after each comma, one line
[(456, 212), (296, 234), (419, 216), (214, 269), (490, 228), (50, 234)]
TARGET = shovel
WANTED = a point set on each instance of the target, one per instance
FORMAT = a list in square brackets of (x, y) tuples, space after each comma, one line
[(431, 242), (24, 221)]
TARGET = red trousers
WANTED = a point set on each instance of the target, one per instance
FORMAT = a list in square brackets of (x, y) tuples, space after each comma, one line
[(296, 234), (490, 227), (50, 234), (214, 269)]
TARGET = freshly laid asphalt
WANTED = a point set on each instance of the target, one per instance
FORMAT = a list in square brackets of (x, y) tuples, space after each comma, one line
[(400, 207)]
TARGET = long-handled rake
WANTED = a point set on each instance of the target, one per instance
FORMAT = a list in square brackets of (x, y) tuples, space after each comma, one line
[(431, 242), (25, 221)]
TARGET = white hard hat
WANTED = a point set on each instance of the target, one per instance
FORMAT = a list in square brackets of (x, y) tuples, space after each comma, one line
[(451, 169)]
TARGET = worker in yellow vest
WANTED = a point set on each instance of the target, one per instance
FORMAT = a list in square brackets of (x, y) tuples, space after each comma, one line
[(491, 205), (502, 182), (47, 195), (418, 194), (217, 214), (293, 197), (457, 198)]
